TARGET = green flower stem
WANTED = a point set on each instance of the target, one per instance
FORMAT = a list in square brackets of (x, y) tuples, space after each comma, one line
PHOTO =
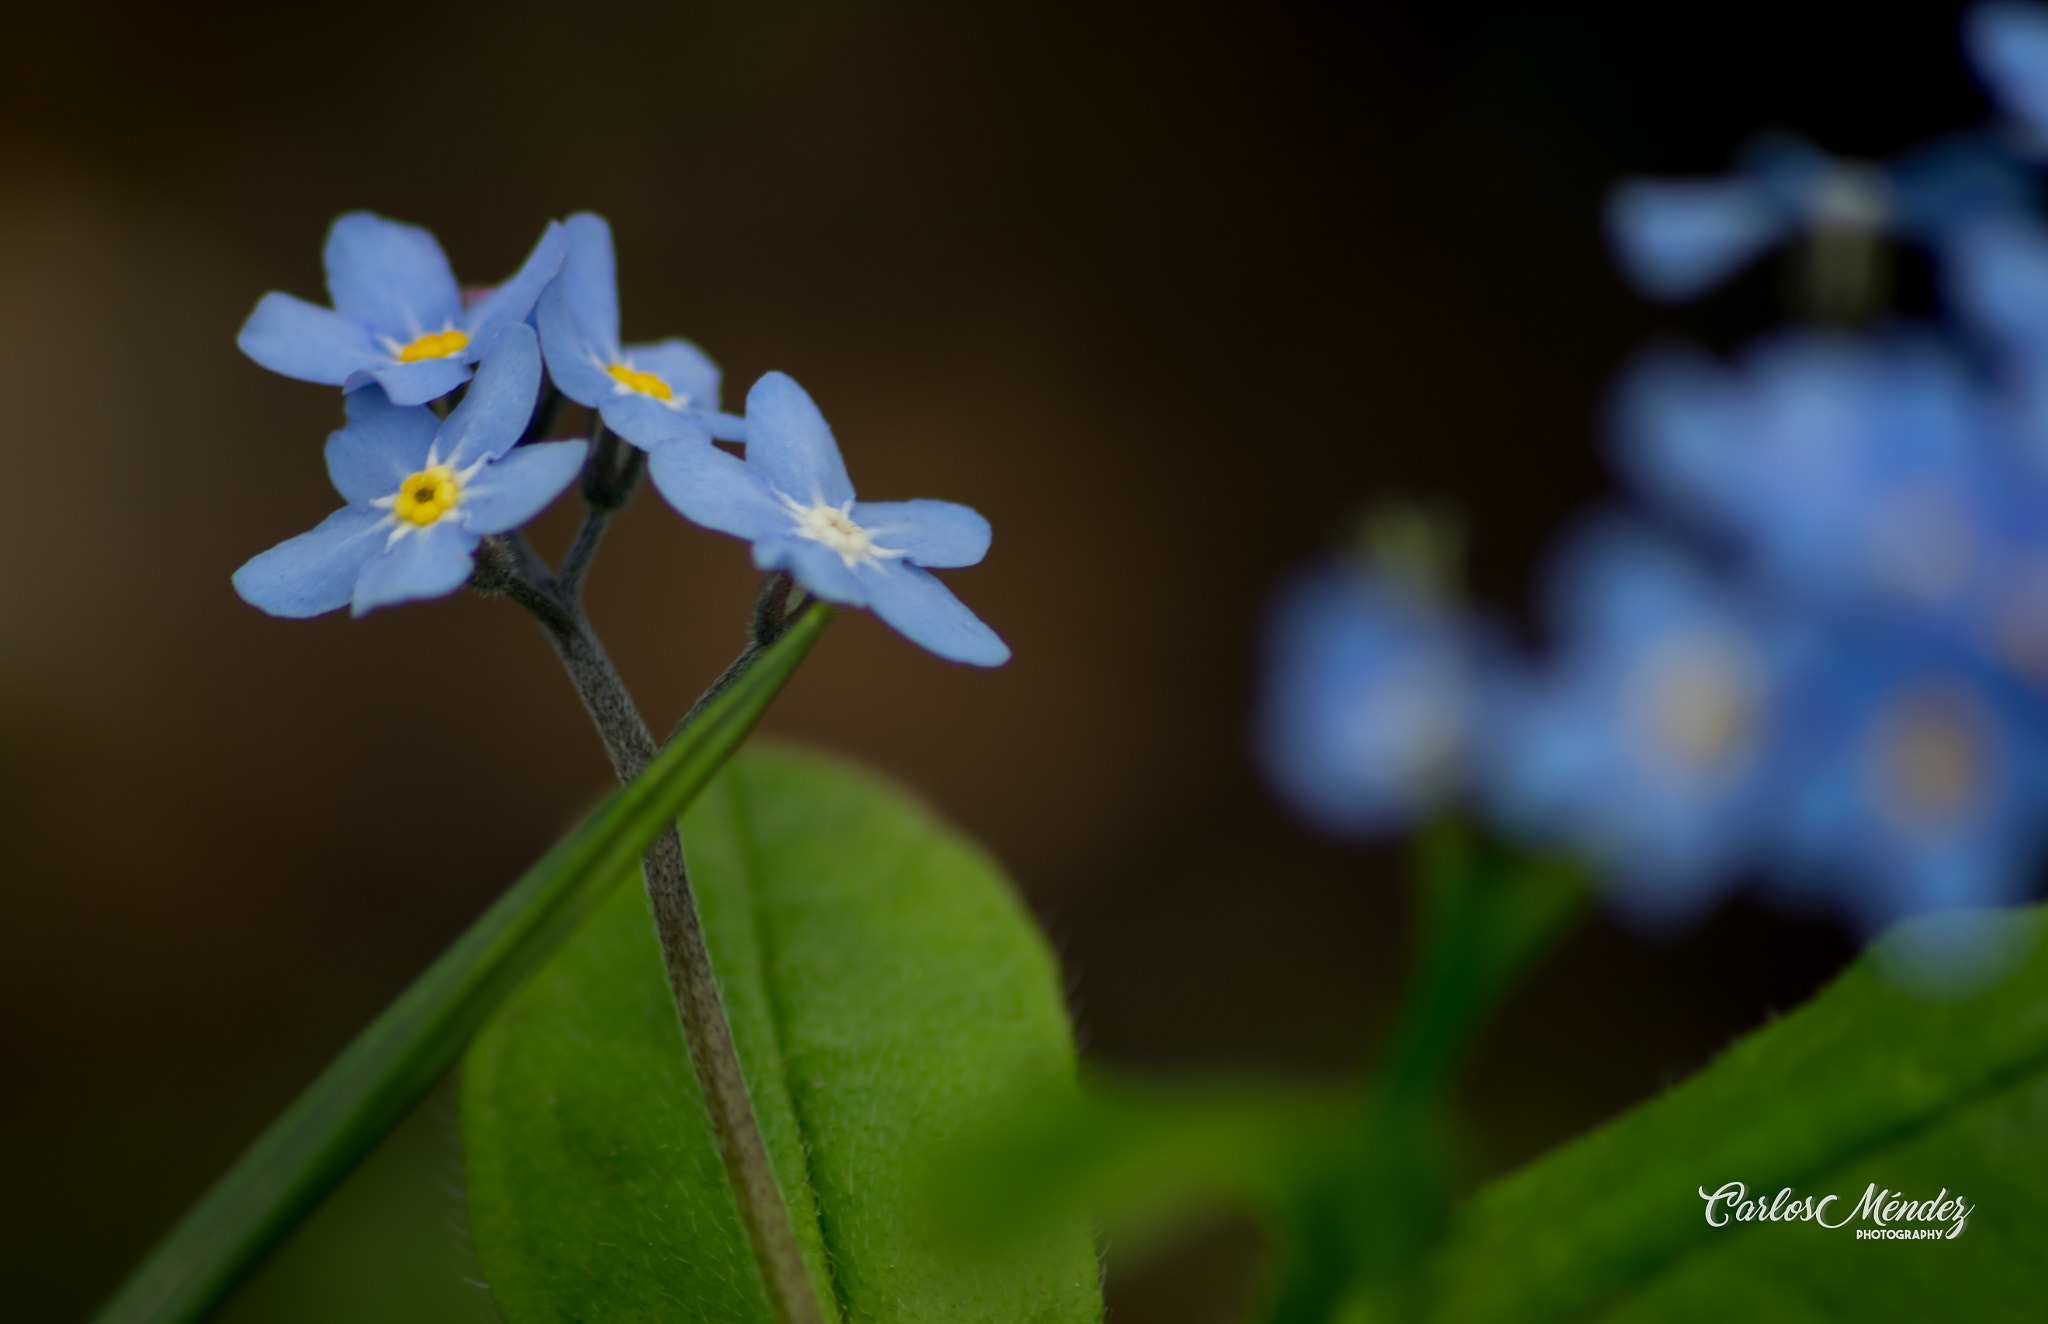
[(706, 1029), (373, 1083), (1485, 915)]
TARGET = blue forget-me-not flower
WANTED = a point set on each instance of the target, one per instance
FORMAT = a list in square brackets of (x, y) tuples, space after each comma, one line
[(421, 493), (648, 394), (1370, 702), (2007, 44), (792, 499), (1922, 779), (1865, 474), (1651, 740), (398, 318), (1677, 238)]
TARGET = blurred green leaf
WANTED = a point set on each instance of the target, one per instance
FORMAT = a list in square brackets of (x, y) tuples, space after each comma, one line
[(885, 988), (1868, 1083), (1150, 1158), (377, 1078)]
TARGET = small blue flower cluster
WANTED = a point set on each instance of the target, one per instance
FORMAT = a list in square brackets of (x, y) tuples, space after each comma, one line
[(1820, 657), (424, 490)]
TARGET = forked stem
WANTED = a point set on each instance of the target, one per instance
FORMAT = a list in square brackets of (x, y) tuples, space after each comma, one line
[(507, 566)]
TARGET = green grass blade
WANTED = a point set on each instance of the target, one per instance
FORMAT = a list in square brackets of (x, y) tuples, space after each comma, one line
[(367, 1089)]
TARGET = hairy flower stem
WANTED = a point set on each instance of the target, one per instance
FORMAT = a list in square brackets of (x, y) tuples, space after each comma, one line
[(508, 565)]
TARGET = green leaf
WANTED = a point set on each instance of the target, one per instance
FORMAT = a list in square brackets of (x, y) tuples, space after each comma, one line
[(1867, 1084), (885, 988), (365, 1091)]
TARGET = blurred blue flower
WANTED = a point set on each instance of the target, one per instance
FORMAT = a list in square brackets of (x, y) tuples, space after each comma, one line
[(398, 318), (648, 394), (1923, 775), (792, 499), (1650, 742), (2007, 44), (1369, 701), (421, 493), (1865, 474), (1677, 238)]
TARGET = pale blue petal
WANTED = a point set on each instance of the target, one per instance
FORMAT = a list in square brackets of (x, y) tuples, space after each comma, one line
[(709, 487), (939, 534), (2008, 45), (590, 282), (514, 300), (513, 490), (925, 612), (649, 423), (725, 427), (309, 343), (1996, 271), (688, 371), (431, 563), (417, 382), (1678, 238), (790, 445), (314, 572), (815, 566), (494, 414), (575, 362), (382, 446), (391, 276)]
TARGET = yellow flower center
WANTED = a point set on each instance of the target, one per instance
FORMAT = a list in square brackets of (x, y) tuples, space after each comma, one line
[(644, 382), (434, 345), (1699, 700), (427, 495), (1934, 756)]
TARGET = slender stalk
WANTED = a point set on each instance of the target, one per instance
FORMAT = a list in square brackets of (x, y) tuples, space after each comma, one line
[(692, 981), (609, 477)]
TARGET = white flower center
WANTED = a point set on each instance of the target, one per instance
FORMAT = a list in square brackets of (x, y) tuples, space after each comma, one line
[(834, 527)]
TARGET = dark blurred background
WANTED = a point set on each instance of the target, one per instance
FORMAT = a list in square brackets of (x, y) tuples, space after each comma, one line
[(1166, 290)]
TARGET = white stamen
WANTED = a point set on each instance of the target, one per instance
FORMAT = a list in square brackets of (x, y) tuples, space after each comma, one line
[(833, 526)]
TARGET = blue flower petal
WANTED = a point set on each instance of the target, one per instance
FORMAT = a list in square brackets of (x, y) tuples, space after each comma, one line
[(815, 566), (725, 427), (431, 563), (417, 382), (499, 405), (1953, 180), (1792, 172), (790, 445), (688, 371), (574, 360), (939, 534), (382, 446), (925, 612), (1366, 717), (1678, 238), (717, 490), (309, 343), (590, 282), (648, 423), (1996, 273), (1676, 426), (514, 300), (314, 572), (2008, 46), (392, 276), (515, 489)]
